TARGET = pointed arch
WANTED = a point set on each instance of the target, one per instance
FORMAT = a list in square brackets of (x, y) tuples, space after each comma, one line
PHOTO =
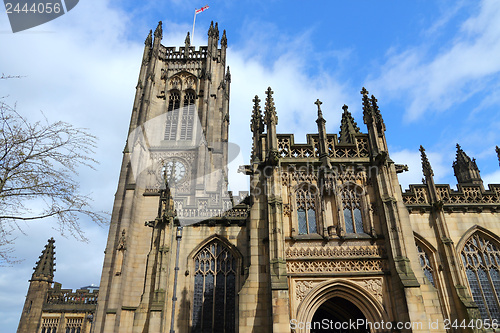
[(480, 254), (215, 263), (234, 250), (426, 256), (476, 229), (371, 308)]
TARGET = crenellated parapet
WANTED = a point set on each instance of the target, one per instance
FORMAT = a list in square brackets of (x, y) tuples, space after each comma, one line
[(181, 52), (470, 197), (80, 299), (288, 149)]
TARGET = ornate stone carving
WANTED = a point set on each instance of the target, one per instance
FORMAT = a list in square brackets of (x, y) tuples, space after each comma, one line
[(332, 252), (122, 242), (374, 286), (302, 288), (286, 210), (335, 266)]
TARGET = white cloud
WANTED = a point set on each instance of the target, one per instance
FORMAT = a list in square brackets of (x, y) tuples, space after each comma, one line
[(413, 160), (459, 70)]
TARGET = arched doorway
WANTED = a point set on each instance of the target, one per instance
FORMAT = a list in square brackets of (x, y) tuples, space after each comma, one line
[(341, 300), (338, 315)]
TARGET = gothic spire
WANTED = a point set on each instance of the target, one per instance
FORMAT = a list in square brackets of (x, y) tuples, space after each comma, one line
[(377, 115), (426, 165), (257, 124), (366, 104), (348, 126), (465, 168), (270, 111), (211, 29), (216, 30), (223, 40), (322, 150), (159, 31), (149, 39), (44, 269), (497, 149)]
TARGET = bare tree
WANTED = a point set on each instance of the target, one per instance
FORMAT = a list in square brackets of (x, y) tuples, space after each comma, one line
[(38, 165)]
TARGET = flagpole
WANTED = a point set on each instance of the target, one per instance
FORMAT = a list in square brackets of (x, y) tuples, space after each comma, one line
[(194, 20)]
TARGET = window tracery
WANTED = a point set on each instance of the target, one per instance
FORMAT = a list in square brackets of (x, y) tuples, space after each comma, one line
[(187, 118), (481, 258), (423, 258), (172, 115), (351, 203), (214, 303), (306, 210)]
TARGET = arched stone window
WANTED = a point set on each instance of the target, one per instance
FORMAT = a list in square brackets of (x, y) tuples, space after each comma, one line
[(214, 302), (188, 116), (172, 115), (423, 258), (481, 258), (351, 203), (306, 209)]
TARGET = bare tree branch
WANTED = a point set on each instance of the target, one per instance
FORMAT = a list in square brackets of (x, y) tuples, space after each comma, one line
[(38, 168)]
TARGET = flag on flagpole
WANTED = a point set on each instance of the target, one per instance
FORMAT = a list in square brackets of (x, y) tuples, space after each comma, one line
[(202, 9)]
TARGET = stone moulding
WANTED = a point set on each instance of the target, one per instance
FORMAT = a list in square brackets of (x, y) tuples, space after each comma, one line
[(334, 252), (336, 266)]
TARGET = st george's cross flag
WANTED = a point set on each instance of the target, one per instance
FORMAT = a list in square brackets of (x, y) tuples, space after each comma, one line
[(202, 9)]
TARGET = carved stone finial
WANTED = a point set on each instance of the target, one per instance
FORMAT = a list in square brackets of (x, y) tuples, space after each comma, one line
[(426, 165), (318, 103), (159, 31), (211, 29), (187, 41), (377, 115), (348, 126), (223, 40), (228, 75), (497, 149), (216, 30), (364, 92), (270, 110), (149, 39), (465, 168), (257, 123)]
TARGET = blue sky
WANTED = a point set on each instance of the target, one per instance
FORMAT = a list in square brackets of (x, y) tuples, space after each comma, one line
[(433, 65)]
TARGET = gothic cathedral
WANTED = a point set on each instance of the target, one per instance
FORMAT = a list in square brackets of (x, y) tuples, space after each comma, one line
[(324, 238)]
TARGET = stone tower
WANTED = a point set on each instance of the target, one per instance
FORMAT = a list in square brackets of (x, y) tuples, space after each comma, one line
[(40, 283), (172, 196)]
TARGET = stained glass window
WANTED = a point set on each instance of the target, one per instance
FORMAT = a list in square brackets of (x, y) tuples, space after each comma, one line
[(481, 258), (351, 201), (306, 210), (188, 116), (423, 257), (214, 303), (172, 116)]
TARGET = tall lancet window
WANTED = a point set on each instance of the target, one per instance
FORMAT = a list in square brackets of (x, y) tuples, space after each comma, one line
[(481, 258), (351, 203), (423, 258), (306, 209), (187, 120), (174, 101), (214, 303)]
